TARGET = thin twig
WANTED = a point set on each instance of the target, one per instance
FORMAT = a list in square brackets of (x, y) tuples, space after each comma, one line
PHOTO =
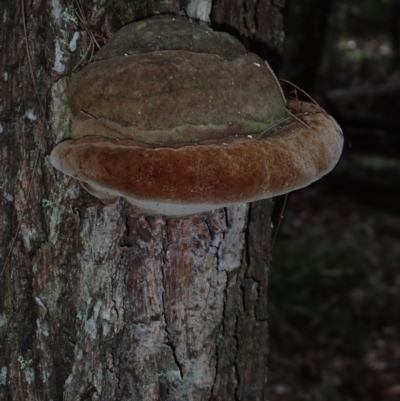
[(80, 13), (30, 61), (277, 81), (304, 92), (90, 47), (312, 99), (272, 126), (85, 23), (91, 116), (299, 119), (279, 222)]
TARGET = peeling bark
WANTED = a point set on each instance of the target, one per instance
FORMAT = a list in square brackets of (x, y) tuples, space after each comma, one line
[(94, 304)]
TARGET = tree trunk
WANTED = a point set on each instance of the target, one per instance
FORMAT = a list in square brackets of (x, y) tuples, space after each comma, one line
[(308, 22), (95, 304)]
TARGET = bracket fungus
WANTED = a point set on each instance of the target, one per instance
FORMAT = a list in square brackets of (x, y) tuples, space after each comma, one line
[(179, 119)]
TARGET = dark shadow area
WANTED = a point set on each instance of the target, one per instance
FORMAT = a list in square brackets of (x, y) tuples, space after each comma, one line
[(334, 290)]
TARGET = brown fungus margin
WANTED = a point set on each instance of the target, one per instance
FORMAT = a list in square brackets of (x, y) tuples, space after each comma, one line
[(182, 179)]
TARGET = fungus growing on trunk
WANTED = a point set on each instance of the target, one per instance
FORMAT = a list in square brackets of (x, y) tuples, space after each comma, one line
[(179, 119)]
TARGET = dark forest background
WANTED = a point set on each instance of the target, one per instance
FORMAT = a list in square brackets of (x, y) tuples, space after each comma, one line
[(334, 290)]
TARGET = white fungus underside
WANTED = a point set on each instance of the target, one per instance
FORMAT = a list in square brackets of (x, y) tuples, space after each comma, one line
[(148, 207)]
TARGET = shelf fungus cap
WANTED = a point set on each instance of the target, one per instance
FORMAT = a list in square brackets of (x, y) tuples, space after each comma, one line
[(176, 130)]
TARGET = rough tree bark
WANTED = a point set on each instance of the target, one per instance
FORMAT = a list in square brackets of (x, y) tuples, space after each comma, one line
[(97, 305)]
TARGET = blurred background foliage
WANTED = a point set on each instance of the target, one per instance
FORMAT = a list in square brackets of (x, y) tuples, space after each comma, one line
[(333, 43), (334, 291)]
